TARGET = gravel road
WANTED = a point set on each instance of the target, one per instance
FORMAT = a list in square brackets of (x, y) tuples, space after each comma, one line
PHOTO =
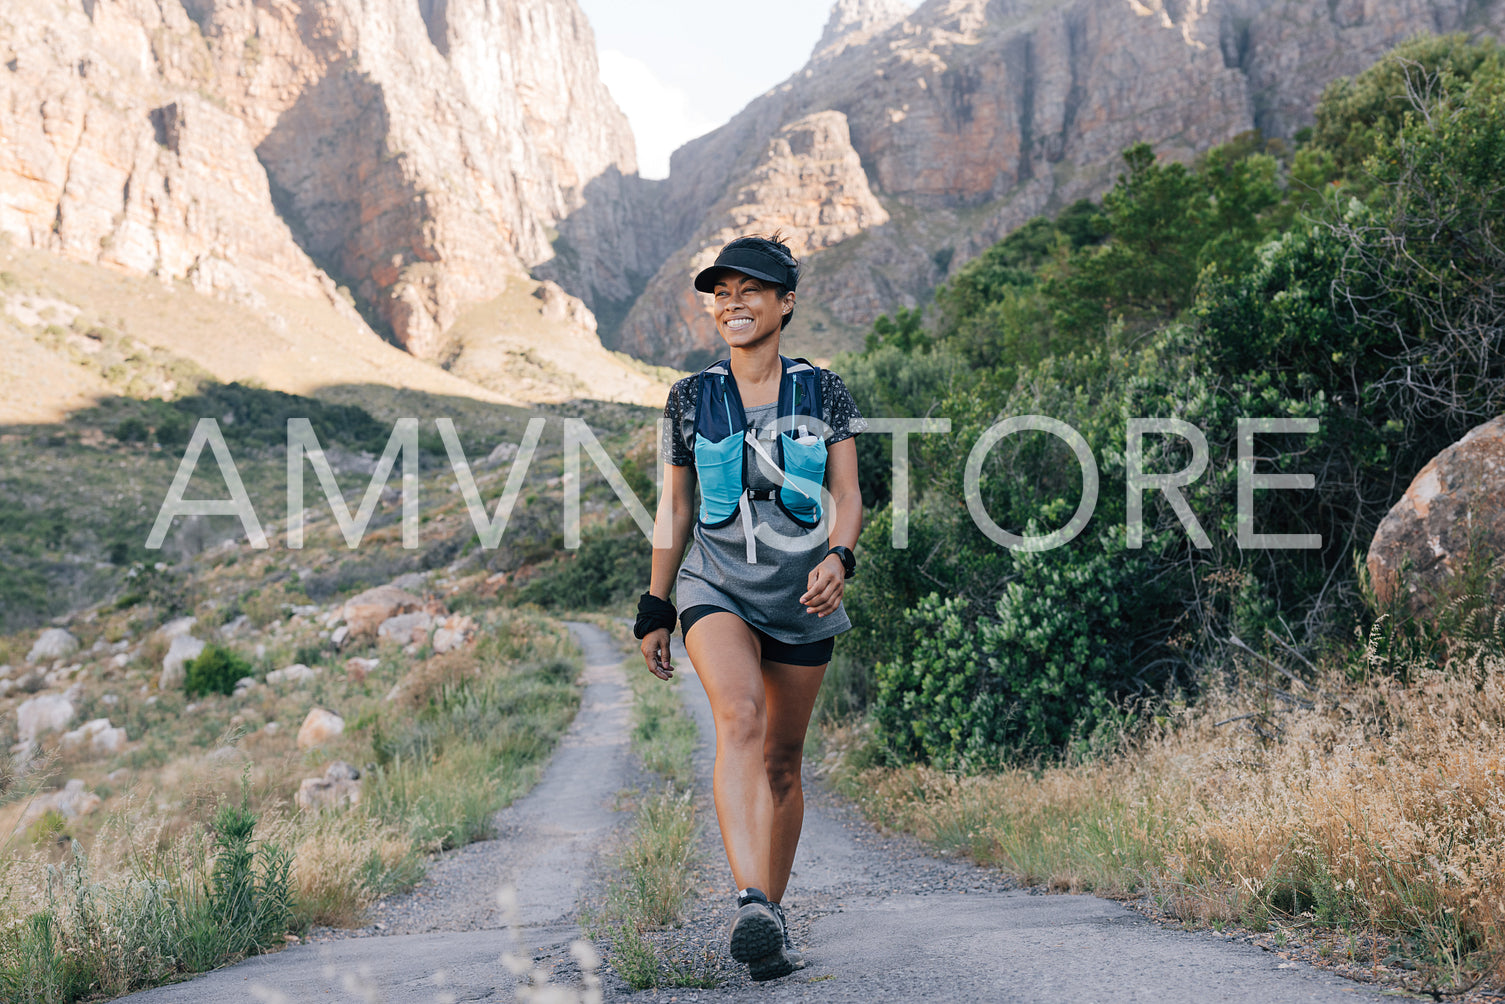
[(879, 918)]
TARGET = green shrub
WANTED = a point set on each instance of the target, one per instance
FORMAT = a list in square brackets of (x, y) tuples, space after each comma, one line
[(214, 671), (608, 567)]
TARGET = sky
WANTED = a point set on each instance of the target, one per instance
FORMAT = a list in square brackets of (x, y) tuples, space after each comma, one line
[(680, 68)]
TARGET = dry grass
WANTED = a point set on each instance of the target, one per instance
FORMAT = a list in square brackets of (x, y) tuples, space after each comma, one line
[(1380, 808)]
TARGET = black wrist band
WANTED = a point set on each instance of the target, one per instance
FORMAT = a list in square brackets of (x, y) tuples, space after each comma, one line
[(847, 558), (653, 613)]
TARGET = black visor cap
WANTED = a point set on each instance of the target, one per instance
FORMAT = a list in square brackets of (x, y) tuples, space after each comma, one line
[(748, 261)]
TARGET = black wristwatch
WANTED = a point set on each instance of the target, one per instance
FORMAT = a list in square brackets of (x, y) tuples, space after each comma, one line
[(848, 559)]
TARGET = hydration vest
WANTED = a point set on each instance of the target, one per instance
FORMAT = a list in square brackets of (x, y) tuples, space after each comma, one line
[(723, 440)]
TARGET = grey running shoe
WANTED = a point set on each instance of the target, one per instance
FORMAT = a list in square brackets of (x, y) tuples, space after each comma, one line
[(757, 937), (793, 953)]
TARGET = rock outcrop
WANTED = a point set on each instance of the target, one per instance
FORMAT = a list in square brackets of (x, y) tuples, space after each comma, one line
[(808, 183), (417, 153), (1453, 514), (968, 117)]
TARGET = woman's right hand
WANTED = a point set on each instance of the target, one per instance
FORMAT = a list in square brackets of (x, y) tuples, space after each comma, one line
[(656, 653)]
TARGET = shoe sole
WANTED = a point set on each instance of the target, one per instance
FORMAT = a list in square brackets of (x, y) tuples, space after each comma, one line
[(757, 936), (772, 966)]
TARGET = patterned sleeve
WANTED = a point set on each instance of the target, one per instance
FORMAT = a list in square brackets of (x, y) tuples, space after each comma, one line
[(841, 412), (679, 425)]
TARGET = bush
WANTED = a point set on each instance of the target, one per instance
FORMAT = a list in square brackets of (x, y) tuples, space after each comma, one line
[(215, 671)]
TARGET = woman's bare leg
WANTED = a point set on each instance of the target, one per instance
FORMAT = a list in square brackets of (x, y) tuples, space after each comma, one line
[(790, 695), (726, 655)]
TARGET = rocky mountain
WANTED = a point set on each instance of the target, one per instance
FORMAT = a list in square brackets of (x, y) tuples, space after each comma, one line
[(911, 141), (417, 153)]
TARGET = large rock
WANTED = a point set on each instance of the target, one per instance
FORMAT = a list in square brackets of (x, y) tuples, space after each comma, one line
[(43, 714), (54, 643), (406, 629), (72, 801), (1453, 512), (183, 650), (97, 736), (339, 788), (366, 612), (319, 727), (176, 628), (297, 673)]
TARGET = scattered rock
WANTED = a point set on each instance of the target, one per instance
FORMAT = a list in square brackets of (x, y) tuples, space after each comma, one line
[(4, 672), (6, 686), (121, 660), (447, 640), (340, 634), (96, 736), (296, 673), (231, 629), (54, 643), (413, 582), (271, 728), (366, 612), (358, 669), (40, 715), (244, 684), (30, 683), (406, 628), (1455, 504), (176, 628), (305, 609), (184, 649), (62, 675), (319, 727), (339, 788), (73, 801)]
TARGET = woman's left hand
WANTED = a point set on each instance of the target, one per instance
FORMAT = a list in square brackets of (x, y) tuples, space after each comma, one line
[(824, 587)]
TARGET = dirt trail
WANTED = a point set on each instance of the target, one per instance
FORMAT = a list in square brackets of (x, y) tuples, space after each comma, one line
[(878, 917)]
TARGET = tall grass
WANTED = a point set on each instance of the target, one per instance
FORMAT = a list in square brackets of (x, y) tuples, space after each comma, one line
[(159, 894), (1365, 801)]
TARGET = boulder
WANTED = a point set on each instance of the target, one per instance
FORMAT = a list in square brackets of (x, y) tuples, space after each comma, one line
[(406, 628), (366, 612), (339, 788), (296, 673), (184, 649), (176, 628), (318, 728), (54, 643), (73, 801), (1452, 513), (43, 714), (447, 640), (97, 737)]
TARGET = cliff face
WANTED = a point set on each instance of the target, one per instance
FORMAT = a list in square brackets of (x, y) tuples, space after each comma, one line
[(416, 151), (967, 117)]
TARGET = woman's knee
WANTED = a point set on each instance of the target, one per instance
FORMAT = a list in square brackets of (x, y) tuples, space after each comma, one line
[(741, 721)]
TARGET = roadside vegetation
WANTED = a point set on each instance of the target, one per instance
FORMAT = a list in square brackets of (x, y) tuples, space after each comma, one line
[(1242, 735), (651, 877), (182, 844)]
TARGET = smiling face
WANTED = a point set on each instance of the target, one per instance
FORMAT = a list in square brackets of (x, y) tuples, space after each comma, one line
[(748, 310)]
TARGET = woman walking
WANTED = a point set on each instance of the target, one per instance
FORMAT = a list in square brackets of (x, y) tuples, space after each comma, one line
[(768, 439)]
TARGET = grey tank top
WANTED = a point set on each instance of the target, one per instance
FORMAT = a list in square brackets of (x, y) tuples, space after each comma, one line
[(764, 593)]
